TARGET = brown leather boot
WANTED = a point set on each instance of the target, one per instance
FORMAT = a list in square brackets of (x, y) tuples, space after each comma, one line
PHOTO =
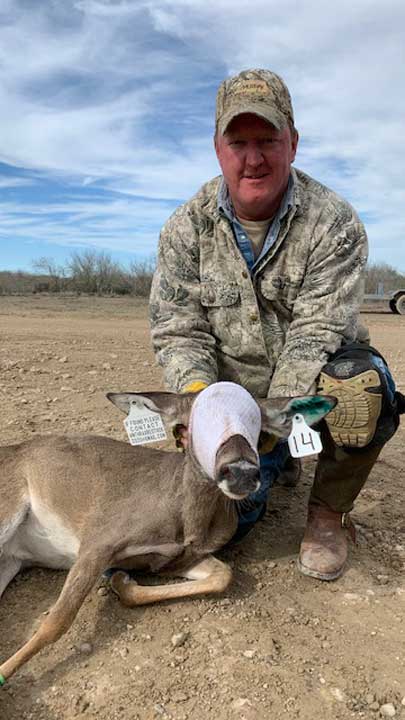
[(324, 549)]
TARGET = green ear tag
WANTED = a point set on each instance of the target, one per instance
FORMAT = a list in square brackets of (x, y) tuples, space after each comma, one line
[(2, 680), (314, 408)]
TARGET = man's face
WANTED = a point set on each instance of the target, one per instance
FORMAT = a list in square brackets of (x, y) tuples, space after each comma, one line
[(255, 159)]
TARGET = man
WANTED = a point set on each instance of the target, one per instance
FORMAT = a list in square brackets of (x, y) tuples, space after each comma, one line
[(259, 281)]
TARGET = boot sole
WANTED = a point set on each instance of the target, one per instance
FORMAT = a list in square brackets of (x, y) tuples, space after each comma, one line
[(318, 575), (353, 421)]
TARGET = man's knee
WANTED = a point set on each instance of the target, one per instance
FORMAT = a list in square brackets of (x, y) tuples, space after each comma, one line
[(367, 412)]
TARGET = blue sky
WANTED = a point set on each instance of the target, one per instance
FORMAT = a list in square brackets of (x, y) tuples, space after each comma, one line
[(107, 113)]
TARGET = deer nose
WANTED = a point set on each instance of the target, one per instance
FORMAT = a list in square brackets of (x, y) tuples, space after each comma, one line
[(240, 479)]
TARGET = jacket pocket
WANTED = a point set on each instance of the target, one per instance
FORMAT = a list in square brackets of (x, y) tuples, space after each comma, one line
[(219, 294)]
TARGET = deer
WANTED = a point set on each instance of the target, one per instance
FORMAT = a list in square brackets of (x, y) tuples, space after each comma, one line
[(88, 503)]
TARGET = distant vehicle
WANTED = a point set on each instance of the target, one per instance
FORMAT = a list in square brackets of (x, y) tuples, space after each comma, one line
[(397, 302), (396, 299)]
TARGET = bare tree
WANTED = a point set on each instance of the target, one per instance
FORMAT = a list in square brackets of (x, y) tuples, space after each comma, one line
[(141, 274), (382, 273), (55, 273), (16, 283), (97, 273)]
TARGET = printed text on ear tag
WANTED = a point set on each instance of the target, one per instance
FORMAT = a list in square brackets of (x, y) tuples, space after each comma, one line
[(144, 425), (302, 440)]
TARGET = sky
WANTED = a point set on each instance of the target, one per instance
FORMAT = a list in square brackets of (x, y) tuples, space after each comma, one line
[(107, 113)]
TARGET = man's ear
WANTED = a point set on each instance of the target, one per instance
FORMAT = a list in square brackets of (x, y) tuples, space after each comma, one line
[(175, 409), (218, 140), (277, 413), (294, 144)]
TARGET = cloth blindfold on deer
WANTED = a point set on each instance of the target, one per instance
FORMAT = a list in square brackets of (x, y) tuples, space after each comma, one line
[(219, 412)]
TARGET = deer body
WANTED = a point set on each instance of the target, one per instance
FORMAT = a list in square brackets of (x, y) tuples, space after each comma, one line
[(155, 504), (89, 503)]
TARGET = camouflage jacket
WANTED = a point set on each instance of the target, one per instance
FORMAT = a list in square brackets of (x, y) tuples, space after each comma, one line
[(271, 332)]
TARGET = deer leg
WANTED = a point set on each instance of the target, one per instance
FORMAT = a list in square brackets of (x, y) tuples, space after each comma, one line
[(9, 567), (208, 576), (80, 580)]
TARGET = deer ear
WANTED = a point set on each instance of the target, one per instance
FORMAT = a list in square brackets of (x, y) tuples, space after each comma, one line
[(175, 409), (313, 407), (277, 413)]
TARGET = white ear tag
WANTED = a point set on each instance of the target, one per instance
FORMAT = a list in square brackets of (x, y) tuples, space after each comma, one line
[(144, 425), (302, 440)]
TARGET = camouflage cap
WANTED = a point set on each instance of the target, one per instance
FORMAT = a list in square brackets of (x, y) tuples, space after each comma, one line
[(260, 92)]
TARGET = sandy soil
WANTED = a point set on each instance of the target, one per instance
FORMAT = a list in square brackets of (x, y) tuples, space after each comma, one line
[(279, 645)]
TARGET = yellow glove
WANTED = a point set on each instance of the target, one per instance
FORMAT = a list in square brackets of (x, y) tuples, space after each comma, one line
[(195, 386)]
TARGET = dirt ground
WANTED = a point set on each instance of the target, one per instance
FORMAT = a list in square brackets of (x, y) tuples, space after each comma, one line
[(278, 645)]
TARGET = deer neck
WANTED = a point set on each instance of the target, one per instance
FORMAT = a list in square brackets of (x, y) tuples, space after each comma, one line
[(209, 517)]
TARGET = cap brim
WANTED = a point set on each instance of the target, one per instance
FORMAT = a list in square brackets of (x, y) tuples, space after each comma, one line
[(272, 115)]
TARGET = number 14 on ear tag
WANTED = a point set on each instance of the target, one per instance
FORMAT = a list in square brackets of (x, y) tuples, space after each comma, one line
[(302, 440)]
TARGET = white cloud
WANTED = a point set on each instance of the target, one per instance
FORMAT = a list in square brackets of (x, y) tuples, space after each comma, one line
[(122, 93), (15, 182), (130, 225)]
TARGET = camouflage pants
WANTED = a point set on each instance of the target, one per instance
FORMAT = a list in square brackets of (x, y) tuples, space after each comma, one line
[(342, 471)]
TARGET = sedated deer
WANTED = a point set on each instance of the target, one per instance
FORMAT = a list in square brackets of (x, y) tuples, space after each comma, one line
[(90, 503)]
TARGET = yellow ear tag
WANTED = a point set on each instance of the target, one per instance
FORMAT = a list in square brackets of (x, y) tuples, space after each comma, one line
[(144, 425), (303, 440)]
